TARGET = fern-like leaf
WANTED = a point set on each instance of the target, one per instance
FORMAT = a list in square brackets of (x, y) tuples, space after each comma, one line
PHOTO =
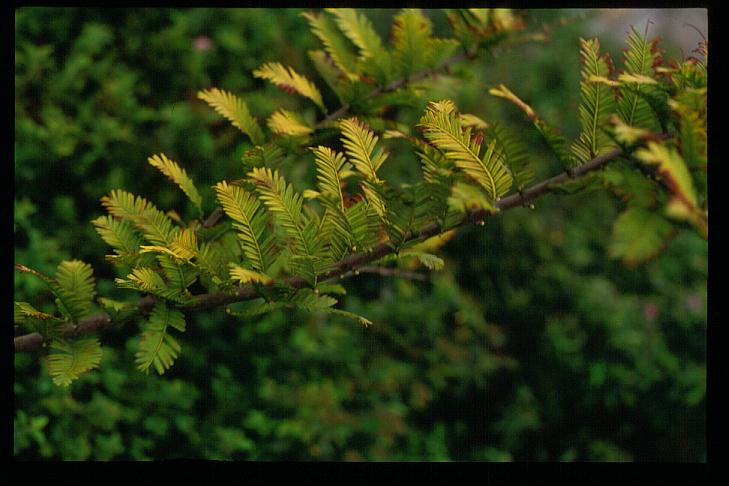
[(157, 347), (331, 168), (209, 257), (245, 276), (335, 235), (337, 47), (121, 236), (179, 277), (69, 359), (309, 267), (156, 225), (235, 110), (183, 249), (442, 127), (432, 262), (285, 203), (250, 221), (597, 103), (363, 225), (360, 144), (411, 34), (179, 176), (265, 155), (74, 287), (639, 60), (290, 81), (376, 199), (360, 31), (185, 244), (285, 122), (147, 280), (400, 220)]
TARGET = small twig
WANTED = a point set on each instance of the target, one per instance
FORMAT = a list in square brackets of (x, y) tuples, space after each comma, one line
[(386, 272), (686, 24), (24, 269), (212, 220)]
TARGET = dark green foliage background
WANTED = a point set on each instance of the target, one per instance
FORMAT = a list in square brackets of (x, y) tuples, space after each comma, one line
[(531, 345)]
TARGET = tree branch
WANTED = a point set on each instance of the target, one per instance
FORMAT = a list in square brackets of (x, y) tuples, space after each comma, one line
[(345, 268)]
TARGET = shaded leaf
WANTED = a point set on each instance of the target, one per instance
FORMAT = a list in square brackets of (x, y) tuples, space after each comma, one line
[(639, 235), (69, 359)]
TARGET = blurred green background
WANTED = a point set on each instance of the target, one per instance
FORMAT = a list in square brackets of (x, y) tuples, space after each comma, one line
[(531, 345)]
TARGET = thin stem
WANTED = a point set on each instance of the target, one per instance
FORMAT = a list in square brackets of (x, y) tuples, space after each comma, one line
[(387, 272), (345, 268), (212, 220)]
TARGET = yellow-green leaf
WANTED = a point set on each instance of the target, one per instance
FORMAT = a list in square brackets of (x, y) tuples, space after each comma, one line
[(245, 276), (235, 110), (639, 235), (290, 81), (285, 122), (157, 347), (69, 359), (179, 176)]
